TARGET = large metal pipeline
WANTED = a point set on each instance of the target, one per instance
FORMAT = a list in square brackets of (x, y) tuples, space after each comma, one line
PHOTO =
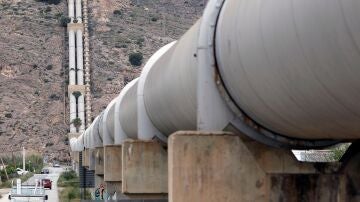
[(72, 79), (128, 111), (71, 10), (96, 138), (78, 10), (108, 123), (104, 128), (289, 67), (170, 86), (293, 66), (126, 96), (76, 75)]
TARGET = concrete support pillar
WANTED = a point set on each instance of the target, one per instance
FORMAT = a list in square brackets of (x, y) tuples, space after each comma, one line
[(112, 163), (114, 190), (351, 169), (209, 168), (99, 167), (92, 159), (113, 169), (215, 167), (75, 156), (99, 180), (85, 158), (99, 161), (144, 168)]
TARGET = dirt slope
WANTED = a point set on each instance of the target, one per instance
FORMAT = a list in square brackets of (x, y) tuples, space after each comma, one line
[(33, 61)]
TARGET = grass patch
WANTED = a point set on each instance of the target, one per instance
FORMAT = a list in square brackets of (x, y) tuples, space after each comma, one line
[(68, 194), (8, 183), (70, 189), (68, 179), (69, 182)]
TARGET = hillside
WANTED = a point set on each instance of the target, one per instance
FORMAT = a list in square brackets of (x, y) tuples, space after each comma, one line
[(119, 28), (31, 77), (33, 61)]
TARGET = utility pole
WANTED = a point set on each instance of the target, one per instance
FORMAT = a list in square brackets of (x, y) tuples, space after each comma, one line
[(23, 158)]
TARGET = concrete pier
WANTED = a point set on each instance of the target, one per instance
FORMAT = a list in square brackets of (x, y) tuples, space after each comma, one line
[(85, 158), (222, 166), (112, 169), (92, 159), (144, 168), (99, 161), (112, 163), (99, 167)]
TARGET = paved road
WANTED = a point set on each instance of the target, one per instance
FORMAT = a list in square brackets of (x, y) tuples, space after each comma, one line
[(4, 193), (53, 176)]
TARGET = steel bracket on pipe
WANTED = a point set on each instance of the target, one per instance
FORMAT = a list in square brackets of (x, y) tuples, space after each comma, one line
[(209, 101)]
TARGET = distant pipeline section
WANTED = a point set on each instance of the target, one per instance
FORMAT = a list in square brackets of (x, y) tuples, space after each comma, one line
[(285, 73)]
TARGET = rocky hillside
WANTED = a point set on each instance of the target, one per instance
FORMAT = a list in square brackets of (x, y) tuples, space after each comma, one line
[(119, 28), (31, 77), (33, 61)]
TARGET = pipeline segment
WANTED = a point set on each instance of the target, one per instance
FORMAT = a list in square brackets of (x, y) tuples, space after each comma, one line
[(292, 66), (108, 123), (120, 109), (284, 69), (170, 86), (128, 111)]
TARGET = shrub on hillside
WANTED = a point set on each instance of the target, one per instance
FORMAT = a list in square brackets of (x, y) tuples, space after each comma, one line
[(135, 59), (8, 115), (155, 19), (54, 97), (117, 12), (55, 2), (64, 21), (77, 122), (49, 67)]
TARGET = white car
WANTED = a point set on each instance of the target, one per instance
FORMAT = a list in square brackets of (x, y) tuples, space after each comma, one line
[(21, 171)]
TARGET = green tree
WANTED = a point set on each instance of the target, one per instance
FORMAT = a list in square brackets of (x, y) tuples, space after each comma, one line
[(77, 122), (76, 94)]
